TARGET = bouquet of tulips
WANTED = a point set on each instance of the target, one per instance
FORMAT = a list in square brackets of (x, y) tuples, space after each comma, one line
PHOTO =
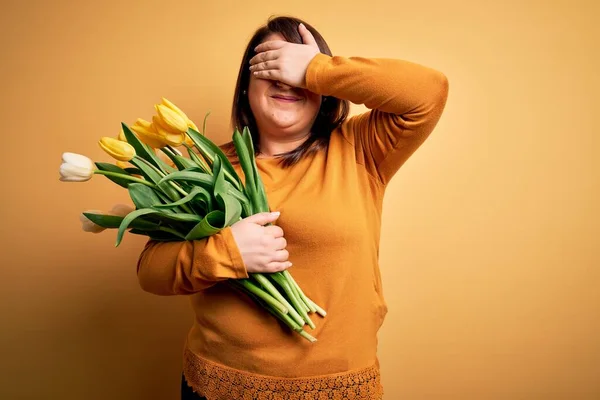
[(188, 198)]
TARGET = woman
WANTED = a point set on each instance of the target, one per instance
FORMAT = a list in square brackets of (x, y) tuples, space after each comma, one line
[(325, 177)]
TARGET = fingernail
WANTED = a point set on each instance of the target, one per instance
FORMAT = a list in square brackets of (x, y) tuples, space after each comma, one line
[(302, 25), (289, 264), (276, 213)]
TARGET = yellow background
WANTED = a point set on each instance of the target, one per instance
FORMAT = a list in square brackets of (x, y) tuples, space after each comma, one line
[(489, 250)]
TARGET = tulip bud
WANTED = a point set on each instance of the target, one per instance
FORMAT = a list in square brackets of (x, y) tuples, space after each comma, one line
[(173, 107), (121, 136), (122, 164), (89, 226), (170, 138), (121, 210), (76, 168), (192, 125), (147, 133), (117, 149), (171, 120), (188, 141)]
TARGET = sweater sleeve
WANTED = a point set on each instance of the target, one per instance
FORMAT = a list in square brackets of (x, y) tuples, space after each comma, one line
[(405, 100), (186, 267)]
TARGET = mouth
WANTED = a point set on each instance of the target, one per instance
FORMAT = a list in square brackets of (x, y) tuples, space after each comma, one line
[(286, 98)]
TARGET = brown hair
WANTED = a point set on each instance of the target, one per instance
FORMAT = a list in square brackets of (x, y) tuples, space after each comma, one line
[(332, 113)]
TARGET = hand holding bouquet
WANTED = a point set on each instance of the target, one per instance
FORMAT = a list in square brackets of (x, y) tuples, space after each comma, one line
[(189, 198)]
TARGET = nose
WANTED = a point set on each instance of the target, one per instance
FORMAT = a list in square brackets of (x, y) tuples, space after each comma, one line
[(282, 85)]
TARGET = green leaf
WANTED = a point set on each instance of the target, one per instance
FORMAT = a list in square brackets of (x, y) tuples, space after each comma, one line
[(143, 196), (247, 167), (113, 168), (204, 180), (113, 221), (197, 193), (196, 158), (232, 207), (141, 149), (160, 236), (133, 171), (259, 188), (158, 214), (154, 176), (175, 217), (209, 151), (211, 224), (132, 216), (147, 171), (185, 162)]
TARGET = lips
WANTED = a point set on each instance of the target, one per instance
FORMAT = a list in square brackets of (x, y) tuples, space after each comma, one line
[(285, 98)]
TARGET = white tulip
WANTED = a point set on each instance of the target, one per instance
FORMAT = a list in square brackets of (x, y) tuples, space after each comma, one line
[(76, 168), (89, 226)]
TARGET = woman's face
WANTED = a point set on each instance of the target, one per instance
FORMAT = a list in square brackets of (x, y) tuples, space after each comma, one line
[(281, 110)]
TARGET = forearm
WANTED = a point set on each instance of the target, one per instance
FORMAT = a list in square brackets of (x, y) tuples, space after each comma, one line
[(186, 267), (392, 86)]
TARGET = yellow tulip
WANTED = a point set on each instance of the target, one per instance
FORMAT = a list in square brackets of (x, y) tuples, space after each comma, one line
[(170, 138), (192, 125), (171, 120), (178, 110), (122, 164), (117, 149), (173, 107), (147, 133), (121, 136), (189, 141)]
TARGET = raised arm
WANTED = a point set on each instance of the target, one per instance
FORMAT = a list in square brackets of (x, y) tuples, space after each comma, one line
[(406, 102)]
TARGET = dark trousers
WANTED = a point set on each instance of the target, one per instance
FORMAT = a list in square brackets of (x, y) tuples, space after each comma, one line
[(187, 393)]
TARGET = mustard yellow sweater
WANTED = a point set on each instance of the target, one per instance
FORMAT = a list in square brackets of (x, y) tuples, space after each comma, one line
[(330, 207)]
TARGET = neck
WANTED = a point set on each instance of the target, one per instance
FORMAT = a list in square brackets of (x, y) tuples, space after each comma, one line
[(271, 145)]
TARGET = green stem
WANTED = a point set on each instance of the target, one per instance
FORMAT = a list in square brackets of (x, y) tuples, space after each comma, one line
[(320, 311), (280, 316), (171, 150), (304, 298), (296, 292), (123, 176), (171, 230), (268, 286), (266, 297), (292, 324), (298, 305), (173, 184)]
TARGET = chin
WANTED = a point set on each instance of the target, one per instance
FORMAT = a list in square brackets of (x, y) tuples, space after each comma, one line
[(287, 122)]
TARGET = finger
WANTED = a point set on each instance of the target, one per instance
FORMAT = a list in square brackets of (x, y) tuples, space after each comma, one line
[(272, 64), (274, 230), (264, 56), (307, 37), (270, 74), (263, 218), (270, 45), (281, 255), (280, 243), (277, 266)]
